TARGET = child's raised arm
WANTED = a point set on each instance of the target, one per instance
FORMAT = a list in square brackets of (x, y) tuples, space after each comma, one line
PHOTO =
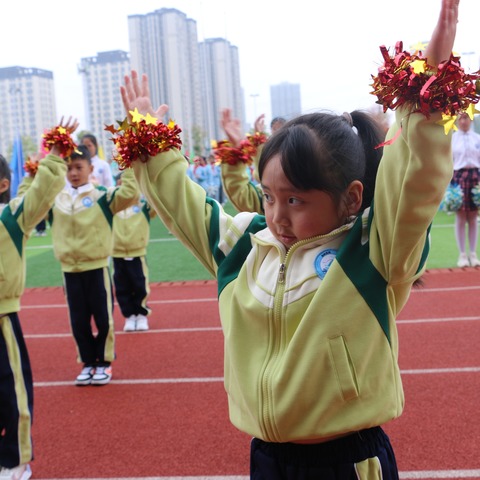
[(70, 126), (441, 44)]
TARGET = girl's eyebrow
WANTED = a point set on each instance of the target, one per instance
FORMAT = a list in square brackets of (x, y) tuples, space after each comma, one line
[(290, 189)]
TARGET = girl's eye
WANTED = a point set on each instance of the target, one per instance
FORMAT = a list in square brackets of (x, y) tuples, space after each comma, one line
[(266, 196), (293, 201)]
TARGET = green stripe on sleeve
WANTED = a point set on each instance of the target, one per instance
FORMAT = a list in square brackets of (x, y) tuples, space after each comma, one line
[(354, 259), (105, 206), (13, 228)]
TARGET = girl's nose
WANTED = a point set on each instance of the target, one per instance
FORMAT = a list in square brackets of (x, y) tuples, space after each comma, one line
[(279, 216)]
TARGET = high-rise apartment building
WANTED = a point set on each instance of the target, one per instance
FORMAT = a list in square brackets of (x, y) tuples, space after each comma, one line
[(285, 100), (164, 45), (27, 103), (220, 76), (195, 80), (101, 78)]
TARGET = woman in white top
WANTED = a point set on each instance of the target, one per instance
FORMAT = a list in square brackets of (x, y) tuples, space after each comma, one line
[(102, 173), (466, 164)]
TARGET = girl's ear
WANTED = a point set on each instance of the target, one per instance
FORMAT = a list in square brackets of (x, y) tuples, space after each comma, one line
[(353, 197), (4, 185)]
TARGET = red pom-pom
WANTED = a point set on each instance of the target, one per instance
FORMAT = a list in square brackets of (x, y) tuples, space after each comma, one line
[(141, 140), (59, 136), (244, 153), (408, 79), (31, 166)]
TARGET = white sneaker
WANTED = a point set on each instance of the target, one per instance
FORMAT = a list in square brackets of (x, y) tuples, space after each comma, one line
[(102, 376), (22, 472), (463, 261), (142, 323), (130, 324), (474, 262), (85, 376)]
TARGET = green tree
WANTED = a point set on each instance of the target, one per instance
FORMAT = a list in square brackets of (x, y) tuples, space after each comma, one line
[(29, 147), (198, 135)]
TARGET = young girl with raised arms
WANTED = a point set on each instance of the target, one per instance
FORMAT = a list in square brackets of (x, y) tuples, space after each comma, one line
[(309, 293)]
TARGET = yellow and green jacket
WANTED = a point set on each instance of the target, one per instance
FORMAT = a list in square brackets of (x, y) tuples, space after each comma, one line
[(131, 230), (311, 344), (82, 225), (18, 218)]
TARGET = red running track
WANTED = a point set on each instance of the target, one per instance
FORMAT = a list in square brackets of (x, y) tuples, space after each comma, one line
[(165, 412)]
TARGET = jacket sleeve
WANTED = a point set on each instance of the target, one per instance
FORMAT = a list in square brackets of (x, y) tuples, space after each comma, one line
[(182, 204), (25, 185), (126, 195), (413, 174), (244, 195), (40, 192)]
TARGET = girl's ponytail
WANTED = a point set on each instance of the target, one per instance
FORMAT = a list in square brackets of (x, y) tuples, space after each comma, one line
[(371, 134)]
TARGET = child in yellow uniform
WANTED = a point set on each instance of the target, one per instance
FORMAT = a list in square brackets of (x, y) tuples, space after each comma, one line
[(131, 234), (82, 219), (18, 218)]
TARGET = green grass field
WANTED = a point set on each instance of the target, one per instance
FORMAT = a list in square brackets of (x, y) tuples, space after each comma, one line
[(169, 260)]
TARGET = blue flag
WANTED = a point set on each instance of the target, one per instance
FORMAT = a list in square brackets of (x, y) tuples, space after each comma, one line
[(16, 166)]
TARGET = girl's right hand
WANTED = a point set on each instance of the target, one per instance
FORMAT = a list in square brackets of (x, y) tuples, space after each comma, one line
[(136, 94)]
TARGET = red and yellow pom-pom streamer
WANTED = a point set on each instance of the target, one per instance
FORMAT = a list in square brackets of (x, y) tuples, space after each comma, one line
[(408, 79), (144, 137), (31, 166), (244, 153), (61, 137)]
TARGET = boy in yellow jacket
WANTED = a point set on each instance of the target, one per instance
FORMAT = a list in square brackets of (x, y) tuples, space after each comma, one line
[(131, 234), (82, 219)]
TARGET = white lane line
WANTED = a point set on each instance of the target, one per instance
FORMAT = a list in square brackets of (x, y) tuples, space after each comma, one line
[(427, 371), (139, 381), (421, 474), (442, 474), (148, 381), (445, 289), (439, 320), (153, 302), (120, 332)]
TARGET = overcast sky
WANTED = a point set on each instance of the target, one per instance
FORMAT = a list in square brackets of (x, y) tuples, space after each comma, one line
[(329, 47)]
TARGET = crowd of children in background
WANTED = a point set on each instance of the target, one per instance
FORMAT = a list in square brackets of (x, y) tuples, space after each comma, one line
[(206, 172)]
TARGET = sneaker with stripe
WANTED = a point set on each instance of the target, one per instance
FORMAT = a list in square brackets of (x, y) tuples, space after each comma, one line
[(85, 376), (102, 375)]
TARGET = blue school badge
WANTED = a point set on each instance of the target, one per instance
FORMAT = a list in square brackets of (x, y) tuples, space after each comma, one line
[(323, 261), (87, 202)]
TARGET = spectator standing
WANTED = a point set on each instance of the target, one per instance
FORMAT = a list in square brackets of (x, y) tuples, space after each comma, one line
[(466, 164)]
